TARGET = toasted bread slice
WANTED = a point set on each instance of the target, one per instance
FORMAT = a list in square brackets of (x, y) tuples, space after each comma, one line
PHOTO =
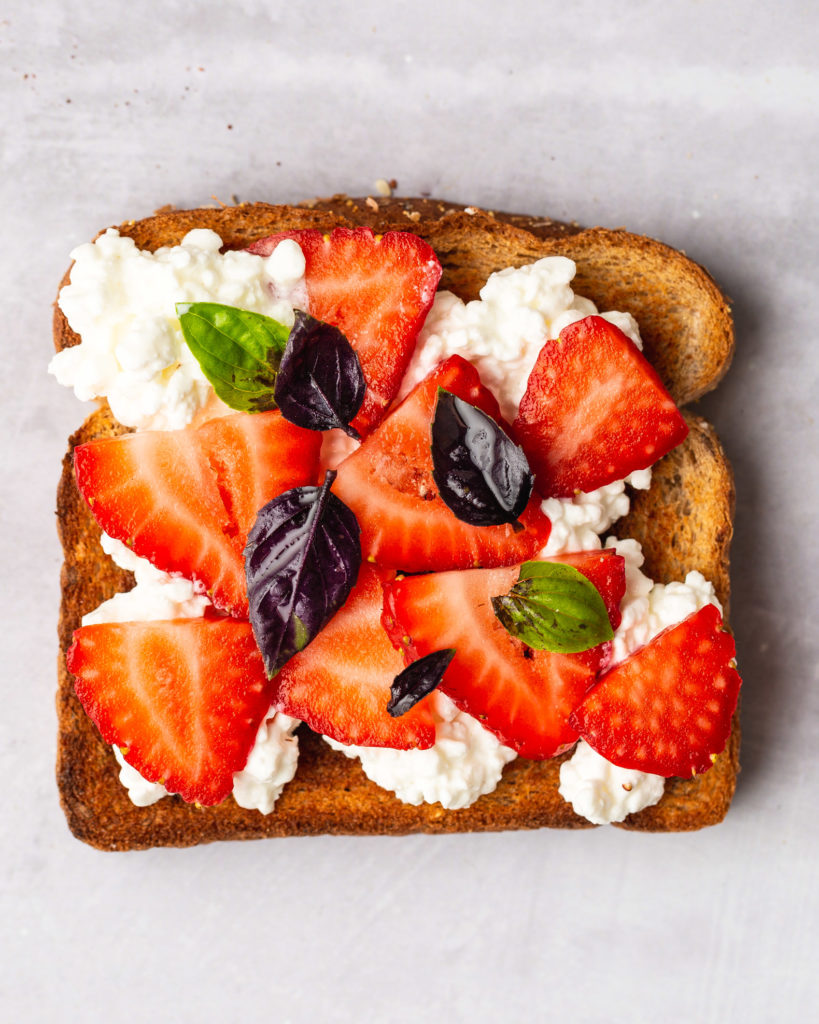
[(687, 328)]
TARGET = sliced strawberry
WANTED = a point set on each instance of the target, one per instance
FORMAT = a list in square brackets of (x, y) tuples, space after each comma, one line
[(156, 492), (186, 499), (340, 684), (667, 708), (377, 289), (523, 696), (594, 411), (388, 483), (607, 571), (183, 699), (256, 458)]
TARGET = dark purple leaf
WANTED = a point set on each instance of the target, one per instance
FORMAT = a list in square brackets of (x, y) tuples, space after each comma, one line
[(301, 562), (480, 473), (417, 680), (320, 384)]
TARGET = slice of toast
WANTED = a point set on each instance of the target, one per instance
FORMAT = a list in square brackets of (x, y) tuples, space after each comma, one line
[(688, 335)]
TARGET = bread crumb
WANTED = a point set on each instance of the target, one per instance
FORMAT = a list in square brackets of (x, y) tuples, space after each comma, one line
[(383, 187), (373, 205)]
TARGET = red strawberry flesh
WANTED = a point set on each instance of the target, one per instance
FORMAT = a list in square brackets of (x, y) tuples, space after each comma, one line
[(256, 458), (340, 683), (155, 491), (388, 483), (377, 289), (184, 698), (667, 708), (594, 411), (523, 696), (186, 499)]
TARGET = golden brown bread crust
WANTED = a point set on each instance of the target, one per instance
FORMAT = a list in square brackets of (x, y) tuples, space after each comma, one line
[(330, 793)]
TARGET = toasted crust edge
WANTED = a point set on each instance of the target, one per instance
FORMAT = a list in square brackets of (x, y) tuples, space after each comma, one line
[(330, 793)]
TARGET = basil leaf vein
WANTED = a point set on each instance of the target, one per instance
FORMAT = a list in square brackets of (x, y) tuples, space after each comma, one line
[(302, 559), (554, 607), (238, 350)]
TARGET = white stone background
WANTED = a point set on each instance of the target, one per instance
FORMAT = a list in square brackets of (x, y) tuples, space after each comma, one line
[(691, 121)]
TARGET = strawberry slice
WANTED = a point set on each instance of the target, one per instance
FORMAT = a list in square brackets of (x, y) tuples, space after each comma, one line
[(186, 499), (523, 696), (156, 492), (388, 483), (377, 289), (256, 458), (667, 708), (183, 699), (340, 684), (594, 411)]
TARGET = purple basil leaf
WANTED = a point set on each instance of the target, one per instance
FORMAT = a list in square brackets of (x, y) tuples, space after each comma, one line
[(301, 562), (320, 384), (417, 680), (480, 473)]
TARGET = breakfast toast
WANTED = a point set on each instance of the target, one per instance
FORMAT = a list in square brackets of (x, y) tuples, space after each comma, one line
[(687, 330)]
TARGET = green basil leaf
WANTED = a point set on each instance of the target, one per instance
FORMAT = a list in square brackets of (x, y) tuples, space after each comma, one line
[(239, 351), (554, 607)]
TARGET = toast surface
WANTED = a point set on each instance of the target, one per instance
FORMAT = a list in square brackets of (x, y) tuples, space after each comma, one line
[(691, 346)]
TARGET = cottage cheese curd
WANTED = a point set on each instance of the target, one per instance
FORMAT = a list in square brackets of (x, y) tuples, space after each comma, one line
[(158, 596), (502, 333), (122, 299), (465, 762), (597, 789), (602, 792)]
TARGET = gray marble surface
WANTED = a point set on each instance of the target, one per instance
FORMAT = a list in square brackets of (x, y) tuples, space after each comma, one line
[(691, 121)]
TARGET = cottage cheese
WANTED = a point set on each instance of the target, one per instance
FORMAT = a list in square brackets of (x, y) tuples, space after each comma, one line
[(597, 789), (122, 301), (465, 762), (502, 333), (602, 792), (158, 596)]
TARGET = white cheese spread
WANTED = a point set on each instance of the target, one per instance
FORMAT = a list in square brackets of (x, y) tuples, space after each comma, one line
[(122, 301), (502, 333), (465, 762), (157, 596), (602, 792)]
